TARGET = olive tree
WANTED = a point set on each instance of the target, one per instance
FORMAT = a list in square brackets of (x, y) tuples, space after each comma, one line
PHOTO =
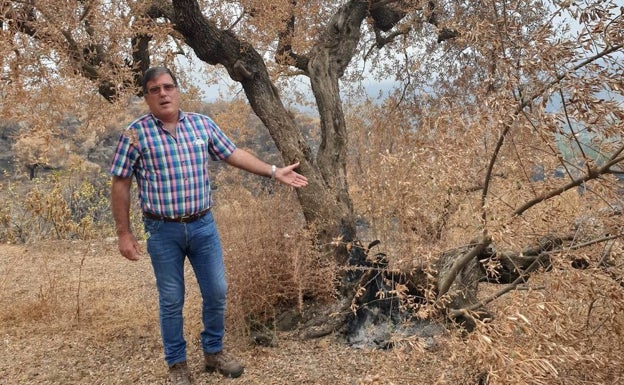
[(473, 81)]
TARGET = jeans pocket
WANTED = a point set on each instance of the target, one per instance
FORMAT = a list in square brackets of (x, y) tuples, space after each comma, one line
[(207, 219), (151, 226)]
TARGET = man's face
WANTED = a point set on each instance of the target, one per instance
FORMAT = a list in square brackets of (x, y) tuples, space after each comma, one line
[(163, 98)]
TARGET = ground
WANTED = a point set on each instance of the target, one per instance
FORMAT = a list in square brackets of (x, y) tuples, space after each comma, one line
[(78, 313)]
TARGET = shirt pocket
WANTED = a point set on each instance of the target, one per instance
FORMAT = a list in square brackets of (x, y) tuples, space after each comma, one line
[(198, 152)]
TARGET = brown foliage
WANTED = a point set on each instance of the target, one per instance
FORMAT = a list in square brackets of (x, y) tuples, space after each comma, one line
[(507, 124)]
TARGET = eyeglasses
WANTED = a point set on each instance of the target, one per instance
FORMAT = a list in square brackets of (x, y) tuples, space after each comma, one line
[(155, 90)]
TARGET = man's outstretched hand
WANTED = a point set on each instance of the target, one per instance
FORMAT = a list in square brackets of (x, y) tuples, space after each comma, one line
[(289, 176)]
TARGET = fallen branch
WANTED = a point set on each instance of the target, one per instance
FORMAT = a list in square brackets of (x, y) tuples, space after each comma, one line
[(521, 279), (445, 282)]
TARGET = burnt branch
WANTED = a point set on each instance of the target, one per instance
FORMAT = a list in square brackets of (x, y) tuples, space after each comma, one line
[(387, 14), (160, 9), (514, 285), (140, 58)]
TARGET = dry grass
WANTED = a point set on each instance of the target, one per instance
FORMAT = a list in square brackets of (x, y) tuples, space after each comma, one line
[(78, 313), (106, 332), (272, 259)]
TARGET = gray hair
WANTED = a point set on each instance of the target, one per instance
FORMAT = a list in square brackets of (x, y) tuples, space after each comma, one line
[(154, 72)]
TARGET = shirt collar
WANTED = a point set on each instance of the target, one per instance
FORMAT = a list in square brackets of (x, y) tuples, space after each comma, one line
[(181, 116)]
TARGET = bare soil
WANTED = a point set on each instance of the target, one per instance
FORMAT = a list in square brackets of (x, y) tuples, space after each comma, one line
[(79, 313)]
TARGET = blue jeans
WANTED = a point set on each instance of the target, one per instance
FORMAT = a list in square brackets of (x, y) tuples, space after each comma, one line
[(168, 245)]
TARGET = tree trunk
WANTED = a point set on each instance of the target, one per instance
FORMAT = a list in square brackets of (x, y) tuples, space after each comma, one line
[(325, 201), (327, 64)]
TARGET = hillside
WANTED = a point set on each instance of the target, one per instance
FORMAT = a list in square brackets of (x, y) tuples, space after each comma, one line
[(71, 142)]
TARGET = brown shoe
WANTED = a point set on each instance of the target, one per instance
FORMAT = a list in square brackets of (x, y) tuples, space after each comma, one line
[(179, 374), (224, 363)]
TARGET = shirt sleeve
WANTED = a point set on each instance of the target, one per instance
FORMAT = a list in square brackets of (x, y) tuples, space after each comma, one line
[(220, 146), (125, 156)]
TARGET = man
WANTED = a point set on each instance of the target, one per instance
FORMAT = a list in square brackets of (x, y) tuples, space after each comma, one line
[(167, 151)]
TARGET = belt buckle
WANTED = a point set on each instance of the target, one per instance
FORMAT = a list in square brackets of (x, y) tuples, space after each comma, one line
[(192, 217), (186, 218)]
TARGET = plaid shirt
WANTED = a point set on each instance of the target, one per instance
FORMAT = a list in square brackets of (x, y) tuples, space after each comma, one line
[(172, 175)]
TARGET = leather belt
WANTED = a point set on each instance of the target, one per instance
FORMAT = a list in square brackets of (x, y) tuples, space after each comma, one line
[(184, 219)]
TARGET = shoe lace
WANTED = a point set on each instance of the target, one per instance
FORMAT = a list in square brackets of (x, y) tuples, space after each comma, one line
[(224, 357)]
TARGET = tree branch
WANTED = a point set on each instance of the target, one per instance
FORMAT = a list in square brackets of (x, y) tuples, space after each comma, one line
[(592, 173), (386, 17), (507, 127), (500, 293), (284, 54), (445, 283)]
